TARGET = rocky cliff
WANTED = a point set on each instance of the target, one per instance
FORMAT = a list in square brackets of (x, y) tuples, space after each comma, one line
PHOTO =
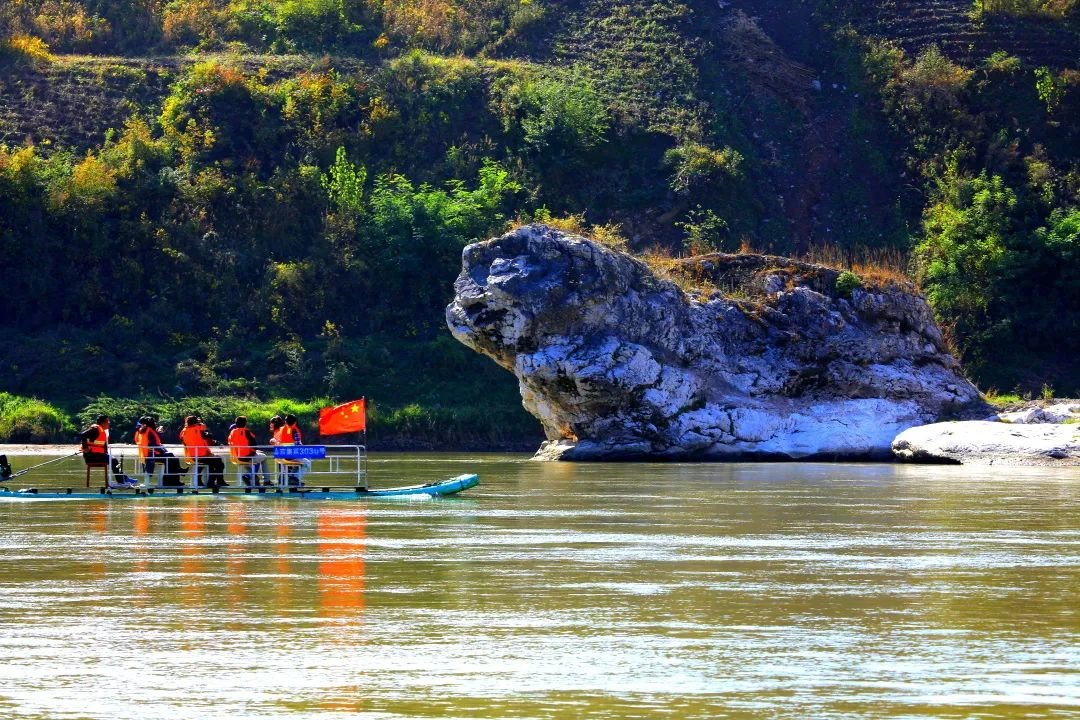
[(768, 358)]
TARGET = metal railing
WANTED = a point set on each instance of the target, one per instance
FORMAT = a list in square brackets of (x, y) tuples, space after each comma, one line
[(274, 466)]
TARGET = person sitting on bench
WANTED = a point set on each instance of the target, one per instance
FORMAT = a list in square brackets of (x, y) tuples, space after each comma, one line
[(242, 448), (197, 441), (151, 450), (94, 443)]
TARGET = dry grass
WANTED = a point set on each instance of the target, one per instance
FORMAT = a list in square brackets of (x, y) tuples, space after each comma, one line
[(876, 267), (609, 235), (688, 278), (881, 267)]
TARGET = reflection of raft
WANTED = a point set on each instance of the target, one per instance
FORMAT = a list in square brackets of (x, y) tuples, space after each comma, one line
[(449, 486)]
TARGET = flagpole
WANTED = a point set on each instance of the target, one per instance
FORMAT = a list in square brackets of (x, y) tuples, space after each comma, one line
[(363, 439)]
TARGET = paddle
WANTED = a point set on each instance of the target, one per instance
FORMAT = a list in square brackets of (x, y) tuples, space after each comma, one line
[(5, 466)]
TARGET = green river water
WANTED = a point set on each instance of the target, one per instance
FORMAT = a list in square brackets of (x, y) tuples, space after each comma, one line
[(555, 591)]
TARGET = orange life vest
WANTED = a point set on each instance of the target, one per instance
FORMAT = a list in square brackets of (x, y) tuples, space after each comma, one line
[(289, 435), (195, 445), (101, 444), (142, 440), (240, 443), (146, 437)]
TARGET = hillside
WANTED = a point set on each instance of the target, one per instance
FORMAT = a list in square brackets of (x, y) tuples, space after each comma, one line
[(969, 38), (269, 200)]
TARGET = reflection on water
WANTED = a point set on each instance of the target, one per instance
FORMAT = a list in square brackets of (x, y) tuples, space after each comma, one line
[(341, 561), (556, 591)]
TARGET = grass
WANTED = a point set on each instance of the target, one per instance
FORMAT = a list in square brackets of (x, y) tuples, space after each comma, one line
[(30, 420), (998, 400), (609, 235), (881, 267), (670, 268)]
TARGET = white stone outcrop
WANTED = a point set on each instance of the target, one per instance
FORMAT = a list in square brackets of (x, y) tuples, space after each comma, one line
[(776, 363), (991, 443), (1057, 412)]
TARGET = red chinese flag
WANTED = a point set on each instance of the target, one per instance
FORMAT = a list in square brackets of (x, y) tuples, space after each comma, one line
[(350, 417)]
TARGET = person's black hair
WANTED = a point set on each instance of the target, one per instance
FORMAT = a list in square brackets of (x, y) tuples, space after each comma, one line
[(290, 419), (241, 421), (100, 419)]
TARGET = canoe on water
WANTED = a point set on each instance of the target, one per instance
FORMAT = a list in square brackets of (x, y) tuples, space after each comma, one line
[(448, 486)]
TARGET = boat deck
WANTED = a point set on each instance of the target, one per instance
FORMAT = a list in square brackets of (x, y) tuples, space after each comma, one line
[(449, 486)]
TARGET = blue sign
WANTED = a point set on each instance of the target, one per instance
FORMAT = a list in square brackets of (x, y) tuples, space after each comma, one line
[(300, 452)]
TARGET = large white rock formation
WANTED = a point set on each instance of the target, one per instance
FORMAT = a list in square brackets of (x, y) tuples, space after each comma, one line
[(991, 443), (776, 362)]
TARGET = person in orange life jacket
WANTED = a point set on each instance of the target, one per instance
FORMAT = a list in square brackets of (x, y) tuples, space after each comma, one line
[(276, 427), (197, 441), (289, 434), (94, 443), (151, 449), (242, 447)]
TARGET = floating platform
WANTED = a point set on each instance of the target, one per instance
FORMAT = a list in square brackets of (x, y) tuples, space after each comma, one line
[(450, 486)]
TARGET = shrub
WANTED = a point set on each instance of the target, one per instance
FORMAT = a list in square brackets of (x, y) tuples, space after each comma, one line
[(67, 24), (1050, 86), (934, 80), (24, 48), (217, 113), (456, 24), (1004, 63), (26, 420), (557, 119), (92, 181), (317, 24), (959, 259), (705, 232), (344, 184), (848, 282), (694, 166), (186, 22)]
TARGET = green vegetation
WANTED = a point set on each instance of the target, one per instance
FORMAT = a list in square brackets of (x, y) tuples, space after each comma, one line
[(26, 420), (237, 224), (848, 282), (1043, 8), (997, 250)]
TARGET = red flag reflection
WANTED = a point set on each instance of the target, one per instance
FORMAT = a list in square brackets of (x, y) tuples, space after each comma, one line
[(342, 535), (192, 552), (235, 561)]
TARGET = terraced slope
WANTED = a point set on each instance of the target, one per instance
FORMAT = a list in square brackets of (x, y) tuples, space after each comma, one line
[(643, 53), (916, 24), (74, 101)]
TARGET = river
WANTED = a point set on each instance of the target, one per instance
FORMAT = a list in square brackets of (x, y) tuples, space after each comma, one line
[(556, 591)]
